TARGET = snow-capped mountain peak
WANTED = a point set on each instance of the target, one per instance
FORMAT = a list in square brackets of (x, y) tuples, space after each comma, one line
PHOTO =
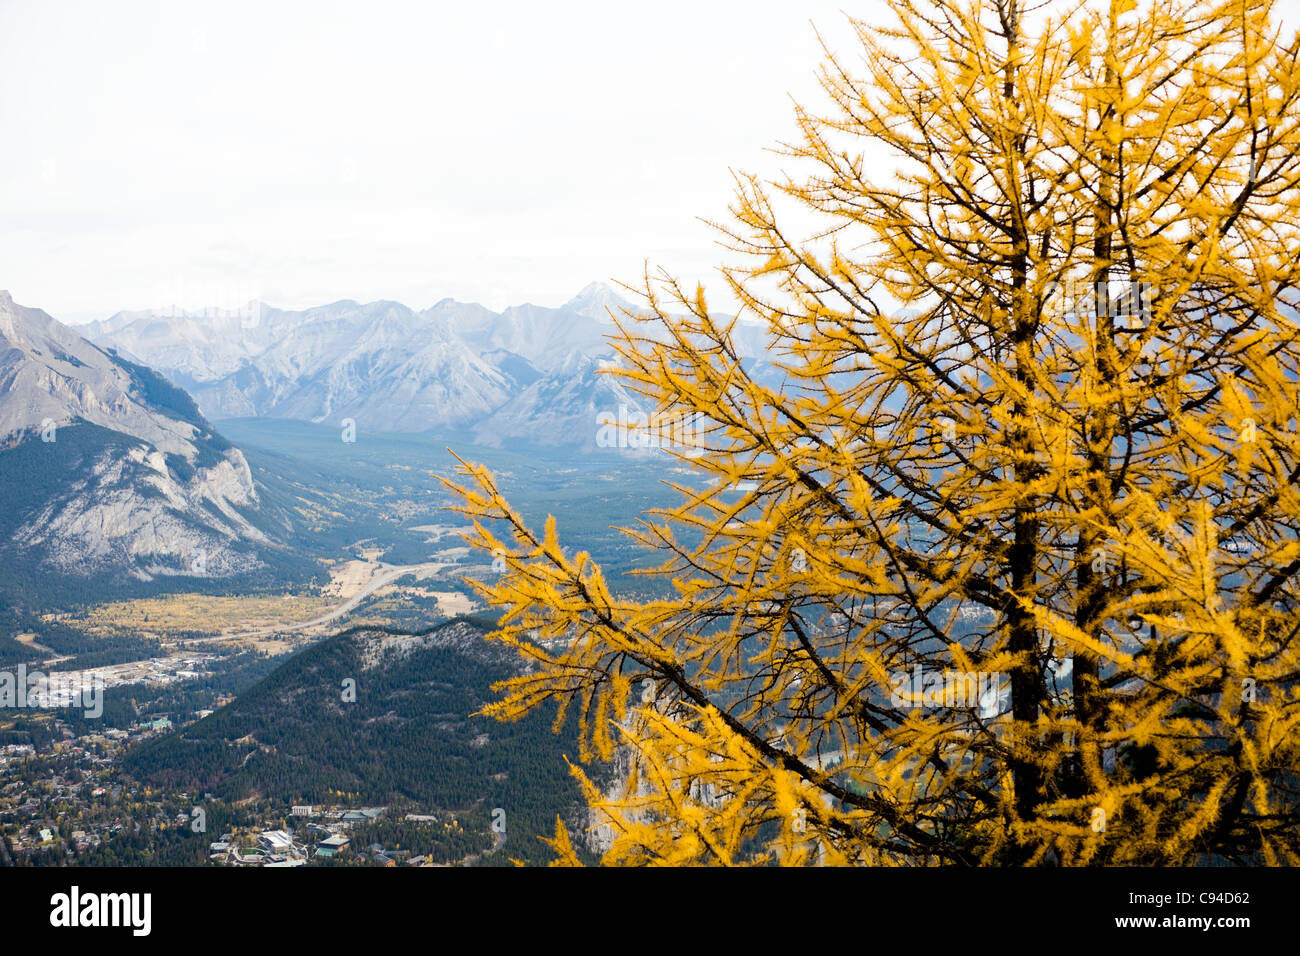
[(596, 301)]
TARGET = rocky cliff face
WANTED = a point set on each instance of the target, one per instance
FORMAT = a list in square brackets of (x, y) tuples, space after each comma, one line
[(110, 468), (378, 648)]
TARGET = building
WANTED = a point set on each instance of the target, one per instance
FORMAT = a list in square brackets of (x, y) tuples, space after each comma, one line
[(331, 846), (275, 841)]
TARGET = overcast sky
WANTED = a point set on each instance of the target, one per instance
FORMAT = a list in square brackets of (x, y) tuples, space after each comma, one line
[(501, 152)]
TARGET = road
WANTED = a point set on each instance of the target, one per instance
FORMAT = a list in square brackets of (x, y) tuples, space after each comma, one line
[(386, 576)]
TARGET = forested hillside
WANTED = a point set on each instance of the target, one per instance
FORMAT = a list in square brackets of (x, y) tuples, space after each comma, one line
[(411, 735)]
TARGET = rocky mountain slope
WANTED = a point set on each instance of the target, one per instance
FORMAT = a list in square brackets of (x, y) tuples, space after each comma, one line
[(107, 468)]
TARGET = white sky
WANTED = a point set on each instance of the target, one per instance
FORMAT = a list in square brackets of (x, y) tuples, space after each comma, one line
[(493, 151)]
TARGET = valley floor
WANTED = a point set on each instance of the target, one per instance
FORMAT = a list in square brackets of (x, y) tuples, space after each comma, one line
[(360, 590)]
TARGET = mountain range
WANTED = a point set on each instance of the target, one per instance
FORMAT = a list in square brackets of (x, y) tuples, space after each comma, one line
[(111, 466), (529, 373)]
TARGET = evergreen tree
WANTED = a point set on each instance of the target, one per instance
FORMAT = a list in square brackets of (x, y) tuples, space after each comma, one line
[(1011, 576)]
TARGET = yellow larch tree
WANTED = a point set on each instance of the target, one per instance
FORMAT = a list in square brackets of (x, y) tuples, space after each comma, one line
[(1005, 570)]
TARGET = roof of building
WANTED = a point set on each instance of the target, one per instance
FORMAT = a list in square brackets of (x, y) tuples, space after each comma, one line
[(277, 838)]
